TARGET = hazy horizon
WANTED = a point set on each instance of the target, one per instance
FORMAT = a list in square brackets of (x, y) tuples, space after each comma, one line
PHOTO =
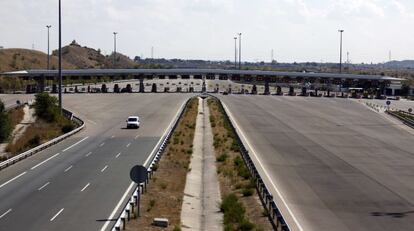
[(195, 29)]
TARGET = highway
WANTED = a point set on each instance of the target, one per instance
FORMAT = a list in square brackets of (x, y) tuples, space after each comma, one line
[(331, 164), (77, 184)]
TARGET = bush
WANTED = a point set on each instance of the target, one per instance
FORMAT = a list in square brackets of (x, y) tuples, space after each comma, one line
[(46, 107), (222, 157), (232, 208), (5, 123), (68, 127), (247, 192)]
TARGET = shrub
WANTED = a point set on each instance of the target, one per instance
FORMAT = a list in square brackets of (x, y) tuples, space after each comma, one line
[(46, 107), (247, 192), (232, 208), (5, 123), (177, 228), (222, 157), (246, 225), (68, 127)]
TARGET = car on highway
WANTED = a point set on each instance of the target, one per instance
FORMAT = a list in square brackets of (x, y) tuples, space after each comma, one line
[(133, 122)]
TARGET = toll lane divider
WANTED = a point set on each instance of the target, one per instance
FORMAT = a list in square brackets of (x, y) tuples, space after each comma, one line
[(275, 216), (41, 147), (133, 204)]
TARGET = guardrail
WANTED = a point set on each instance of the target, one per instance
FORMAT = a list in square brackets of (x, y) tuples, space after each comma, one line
[(405, 119), (134, 202), (41, 147), (275, 216)]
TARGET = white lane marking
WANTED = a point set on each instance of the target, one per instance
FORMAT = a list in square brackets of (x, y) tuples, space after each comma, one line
[(68, 168), (106, 166), (132, 183), (4, 214), (102, 144), (43, 186), (136, 137), (87, 185), (117, 206), (118, 155), (37, 165), (92, 121), (14, 178), (112, 137), (89, 153), (57, 214), (73, 145), (260, 162), (128, 145)]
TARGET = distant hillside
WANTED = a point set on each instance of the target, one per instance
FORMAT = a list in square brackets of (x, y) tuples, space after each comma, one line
[(74, 57), (400, 64), (22, 59), (85, 57)]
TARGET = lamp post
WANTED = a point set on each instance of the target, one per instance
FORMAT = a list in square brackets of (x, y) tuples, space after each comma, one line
[(235, 52), (115, 33), (60, 56), (340, 51), (240, 34), (48, 46)]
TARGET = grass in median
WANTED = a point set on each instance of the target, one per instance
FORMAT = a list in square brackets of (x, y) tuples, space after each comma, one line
[(240, 203), (165, 192)]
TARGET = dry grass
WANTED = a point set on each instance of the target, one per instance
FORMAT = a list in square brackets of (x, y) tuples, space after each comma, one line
[(36, 134), (16, 116), (233, 174), (165, 193)]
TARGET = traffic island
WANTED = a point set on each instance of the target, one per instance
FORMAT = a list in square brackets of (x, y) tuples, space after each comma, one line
[(164, 194), (241, 204)]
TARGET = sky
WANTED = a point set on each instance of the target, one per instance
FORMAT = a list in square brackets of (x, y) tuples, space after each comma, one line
[(296, 30)]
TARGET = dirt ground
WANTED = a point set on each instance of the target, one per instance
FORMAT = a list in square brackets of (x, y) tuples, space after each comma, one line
[(164, 195)]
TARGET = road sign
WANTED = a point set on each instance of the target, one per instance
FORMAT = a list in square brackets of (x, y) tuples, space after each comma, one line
[(388, 102), (138, 174)]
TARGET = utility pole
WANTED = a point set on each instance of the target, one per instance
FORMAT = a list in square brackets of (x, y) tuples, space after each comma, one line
[(271, 56), (340, 51), (347, 57), (240, 50), (48, 47), (389, 56), (152, 52), (115, 33), (235, 52), (60, 56)]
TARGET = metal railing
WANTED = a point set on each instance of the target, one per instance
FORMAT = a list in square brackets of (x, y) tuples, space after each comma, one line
[(406, 117)]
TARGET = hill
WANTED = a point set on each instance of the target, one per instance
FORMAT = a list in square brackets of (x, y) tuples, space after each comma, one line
[(14, 59), (400, 64), (74, 57), (85, 57)]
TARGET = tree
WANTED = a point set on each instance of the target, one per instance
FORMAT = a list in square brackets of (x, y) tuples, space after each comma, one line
[(46, 107), (5, 123)]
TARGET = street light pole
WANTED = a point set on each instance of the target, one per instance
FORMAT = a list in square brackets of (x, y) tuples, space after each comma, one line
[(235, 52), (48, 56), (240, 34), (115, 48), (340, 51), (60, 56)]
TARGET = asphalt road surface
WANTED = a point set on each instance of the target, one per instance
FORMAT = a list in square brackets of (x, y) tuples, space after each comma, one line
[(77, 184), (336, 164)]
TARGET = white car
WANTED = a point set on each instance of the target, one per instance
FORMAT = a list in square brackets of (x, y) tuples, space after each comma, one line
[(133, 122)]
